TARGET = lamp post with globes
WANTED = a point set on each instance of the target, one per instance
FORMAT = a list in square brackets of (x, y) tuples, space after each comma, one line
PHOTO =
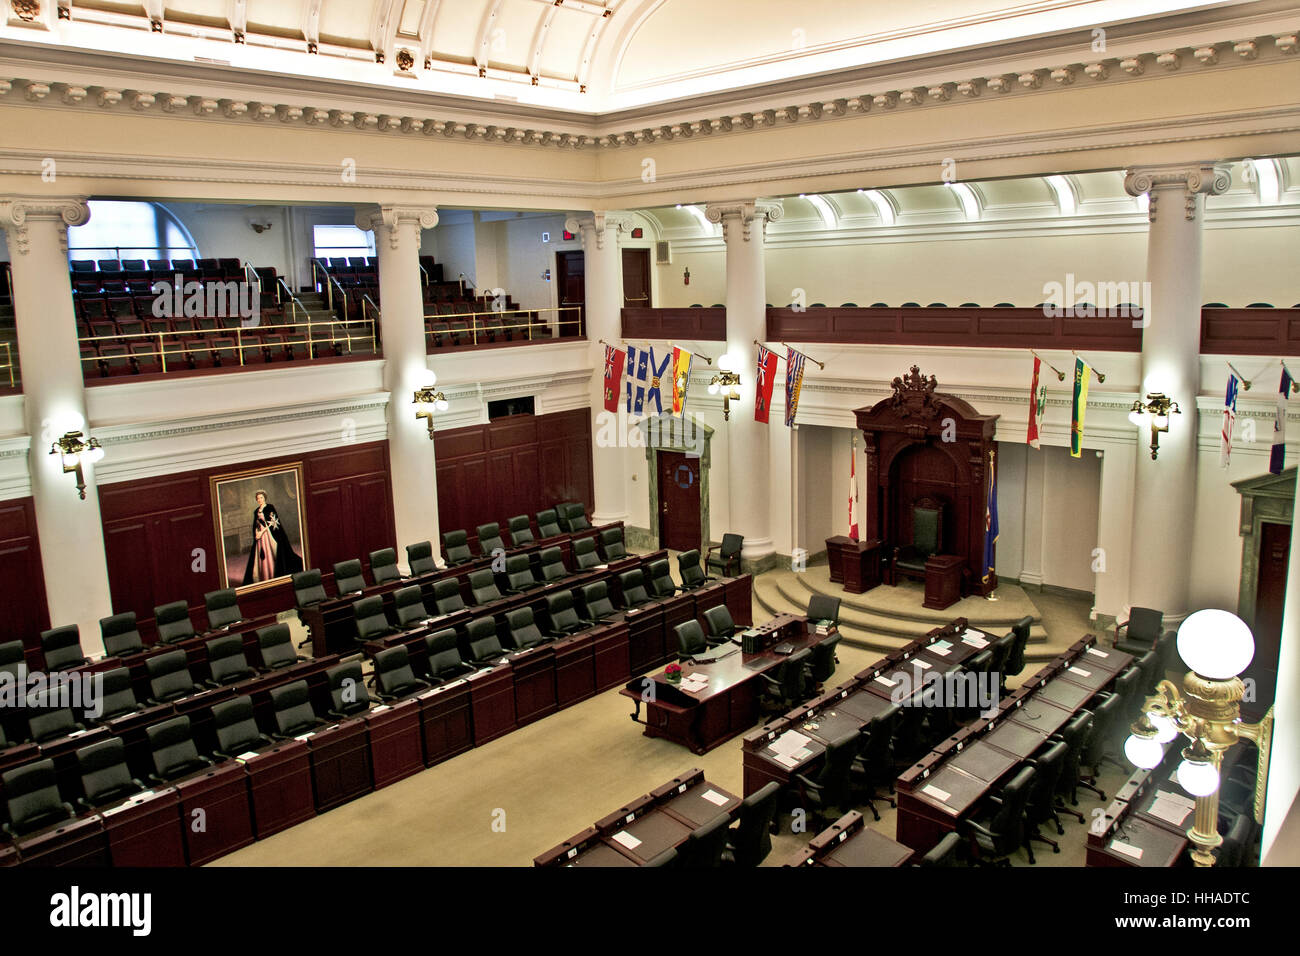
[(1217, 646)]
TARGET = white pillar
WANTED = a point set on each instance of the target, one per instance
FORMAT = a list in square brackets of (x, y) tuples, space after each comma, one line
[(1165, 499), (603, 268), (412, 472), (744, 226), (1117, 526), (54, 402)]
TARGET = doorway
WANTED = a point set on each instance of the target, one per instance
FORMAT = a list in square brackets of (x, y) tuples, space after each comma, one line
[(571, 283), (636, 278), (679, 501)]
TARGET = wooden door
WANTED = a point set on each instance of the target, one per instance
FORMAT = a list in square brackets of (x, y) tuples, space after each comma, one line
[(636, 278), (679, 501), (1274, 550), (571, 277)]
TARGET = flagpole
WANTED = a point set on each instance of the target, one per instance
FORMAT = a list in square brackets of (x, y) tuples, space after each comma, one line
[(1295, 383), (1244, 381), (1101, 377), (1060, 376)]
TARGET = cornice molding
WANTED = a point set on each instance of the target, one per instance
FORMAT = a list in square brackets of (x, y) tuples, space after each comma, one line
[(120, 87)]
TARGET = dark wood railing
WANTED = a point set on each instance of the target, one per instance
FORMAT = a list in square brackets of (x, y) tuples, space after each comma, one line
[(1250, 331), (695, 325)]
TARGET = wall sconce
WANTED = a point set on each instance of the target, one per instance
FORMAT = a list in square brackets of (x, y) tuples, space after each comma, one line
[(75, 453), (1217, 646), (1156, 412), (427, 396), (725, 379)]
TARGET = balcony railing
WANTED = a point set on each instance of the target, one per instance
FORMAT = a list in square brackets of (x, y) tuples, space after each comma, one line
[(518, 326), (8, 366)]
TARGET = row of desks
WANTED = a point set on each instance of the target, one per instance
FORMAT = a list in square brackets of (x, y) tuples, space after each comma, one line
[(945, 785), (333, 624), (728, 705), (1146, 824), (646, 827), (769, 754), (850, 842)]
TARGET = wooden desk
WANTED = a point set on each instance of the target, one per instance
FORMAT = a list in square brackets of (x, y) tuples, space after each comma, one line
[(855, 564), (280, 787), (534, 676), (396, 741), (492, 696), (146, 830), (701, 720), (943, 581), (610, 654), (215, 812), (575, 668), (850, 842), (645, 827), (80, 843), (340, 763), (446, 721)]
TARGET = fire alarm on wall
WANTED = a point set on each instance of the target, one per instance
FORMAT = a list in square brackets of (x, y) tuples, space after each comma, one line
[(686, 276)]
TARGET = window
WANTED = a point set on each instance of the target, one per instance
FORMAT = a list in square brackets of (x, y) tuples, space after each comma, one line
[(341, 241), (130, 230)]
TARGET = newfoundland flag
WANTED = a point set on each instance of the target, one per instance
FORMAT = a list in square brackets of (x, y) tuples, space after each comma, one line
[(990, 524)]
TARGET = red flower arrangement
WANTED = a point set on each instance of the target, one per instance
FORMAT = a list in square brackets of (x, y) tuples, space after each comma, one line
[(673, 672)]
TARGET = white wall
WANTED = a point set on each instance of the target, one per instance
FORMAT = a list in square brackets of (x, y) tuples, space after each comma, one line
[(1071, 499)]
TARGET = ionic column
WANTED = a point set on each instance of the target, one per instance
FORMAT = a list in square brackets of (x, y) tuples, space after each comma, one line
[(1165, 499), (54, 402), (744, 226), (601, 235), (412, 470)]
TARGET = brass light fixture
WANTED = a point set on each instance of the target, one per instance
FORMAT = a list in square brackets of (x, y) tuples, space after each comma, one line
[(1155, 412), (427, 396), (1217, 646), (76, 452), (725, 381)]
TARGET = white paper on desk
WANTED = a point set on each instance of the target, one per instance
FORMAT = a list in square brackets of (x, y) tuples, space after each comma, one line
[(942, 648), (1177, 799), (714, 797), (803, 753), (1168, 810), (974, 640), (1080, 671), (248, 756), (924, 665), (886, 681), (1121, 847), (786, 761), (626, 839), (938, 794), (1096, 653), (789, 742)]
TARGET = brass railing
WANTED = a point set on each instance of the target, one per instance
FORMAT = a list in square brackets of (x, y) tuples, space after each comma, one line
[(339, 334), (343, 297), (8, 365), (478, 327), (370, 314)]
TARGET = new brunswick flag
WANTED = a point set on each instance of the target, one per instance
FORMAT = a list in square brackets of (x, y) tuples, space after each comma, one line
[(681, 374), (1079, 406)]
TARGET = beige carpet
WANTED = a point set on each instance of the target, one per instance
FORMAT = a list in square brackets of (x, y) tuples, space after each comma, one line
[(504, 803)]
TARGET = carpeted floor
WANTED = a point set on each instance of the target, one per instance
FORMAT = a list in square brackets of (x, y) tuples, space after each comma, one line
[(506, 802)]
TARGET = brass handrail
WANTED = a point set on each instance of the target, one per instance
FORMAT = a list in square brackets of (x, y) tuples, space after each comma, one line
[(475, 327), (8, 362), (367, 301), (317, 285), (161, 337), (343, 294)]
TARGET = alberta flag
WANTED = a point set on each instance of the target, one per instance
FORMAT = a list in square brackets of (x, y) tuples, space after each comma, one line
[(644, 377), (1277, 457), (990, 523)]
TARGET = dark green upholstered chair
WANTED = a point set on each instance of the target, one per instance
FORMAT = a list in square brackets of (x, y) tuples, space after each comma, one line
[(727, 559), (927, 540)]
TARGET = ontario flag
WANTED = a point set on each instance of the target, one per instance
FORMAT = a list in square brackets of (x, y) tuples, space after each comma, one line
[(681, 374), (766, 379), (1036, 402), (613, 376)]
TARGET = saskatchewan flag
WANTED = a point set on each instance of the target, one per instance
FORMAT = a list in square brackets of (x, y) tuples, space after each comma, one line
[(1079, 406)]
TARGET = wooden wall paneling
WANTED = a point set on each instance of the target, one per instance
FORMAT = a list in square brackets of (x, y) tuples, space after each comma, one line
[(26, 612)]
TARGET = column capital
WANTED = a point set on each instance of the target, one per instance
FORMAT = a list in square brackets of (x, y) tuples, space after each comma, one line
[(17, 211), (744, 212), (599, 224), (391, 216), (1192, 178)]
